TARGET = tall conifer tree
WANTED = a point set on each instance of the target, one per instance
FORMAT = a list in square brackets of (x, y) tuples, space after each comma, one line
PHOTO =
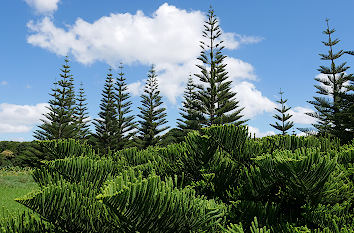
[(283, 117), (189, 113), (59, 121), (217, 102), (331, 111), (126, 124), (347, 114), (81, 115), (106, 124), (152, 116)]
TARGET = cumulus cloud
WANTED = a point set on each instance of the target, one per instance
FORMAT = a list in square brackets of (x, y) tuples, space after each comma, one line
[(252, 99), (170, 35), (172, 78), (136, 88), (169, 38), (43, 6), (258, 133), (234, 40), (299, 116), (238, 69), (20, 118)]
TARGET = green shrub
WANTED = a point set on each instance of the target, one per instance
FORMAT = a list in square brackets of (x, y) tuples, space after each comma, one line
[(217, 180)]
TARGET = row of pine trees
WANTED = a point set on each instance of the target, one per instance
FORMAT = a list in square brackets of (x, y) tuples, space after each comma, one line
[(210, 102)]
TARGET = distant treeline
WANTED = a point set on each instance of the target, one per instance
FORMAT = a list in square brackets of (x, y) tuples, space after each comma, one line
[(14, 153), (208, 100)]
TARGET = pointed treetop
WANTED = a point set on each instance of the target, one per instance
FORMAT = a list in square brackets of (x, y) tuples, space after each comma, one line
[(283, 117)]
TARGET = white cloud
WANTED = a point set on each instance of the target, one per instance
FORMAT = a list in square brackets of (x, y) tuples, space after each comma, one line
[(234, 40), (299, 116), (172, 78), (136, 88), (258, 133), (169, 38), (43, 6), (238, 69), (171, 35), (252, 99), (3, 83), (20, 118), (8, 128)]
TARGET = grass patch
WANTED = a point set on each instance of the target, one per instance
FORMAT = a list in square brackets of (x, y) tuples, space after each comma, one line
[(14, 183)]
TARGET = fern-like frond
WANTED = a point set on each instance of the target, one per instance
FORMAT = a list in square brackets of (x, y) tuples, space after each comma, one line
[(151, 205)]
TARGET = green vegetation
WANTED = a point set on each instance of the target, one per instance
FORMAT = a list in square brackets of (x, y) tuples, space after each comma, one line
[(152, 115), (126, 124), (106, 125), (81, 115), (14, 183), (190, 116), (15, 153), (334, 109), (192, 179), (216, 180), (283, 117), (208, 100), (60, 121), (216, 102)]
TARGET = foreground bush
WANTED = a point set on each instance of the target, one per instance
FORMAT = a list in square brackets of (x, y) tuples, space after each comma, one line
[(219, 180)]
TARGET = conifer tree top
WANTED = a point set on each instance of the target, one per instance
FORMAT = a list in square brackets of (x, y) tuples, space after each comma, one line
[(332, 107), (283, 117), (217, 102)]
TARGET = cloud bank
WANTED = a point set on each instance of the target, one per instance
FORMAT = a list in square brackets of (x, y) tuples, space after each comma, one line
[(20, 118), (43, 6), (169, 38)]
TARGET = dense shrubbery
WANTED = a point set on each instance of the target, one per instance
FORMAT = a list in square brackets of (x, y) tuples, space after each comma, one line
[(14, 153), (218, 180)]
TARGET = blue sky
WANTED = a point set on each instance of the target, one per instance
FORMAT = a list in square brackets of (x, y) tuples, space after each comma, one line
[(269, 44)]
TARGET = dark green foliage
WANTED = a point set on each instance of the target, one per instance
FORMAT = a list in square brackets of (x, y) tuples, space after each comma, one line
[(347, 115), (14, 153), (218, 180), (284, 117), (33, 156), (107, 124), (126, 124), (152, 115), (190, 116), (73, 184), (254, 228), (173, 136), (26, 223), (216, 102), (58, 204), (125, 194), (40, 151), (334, 110), (59, 149), (81, 115), (58, 122)]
